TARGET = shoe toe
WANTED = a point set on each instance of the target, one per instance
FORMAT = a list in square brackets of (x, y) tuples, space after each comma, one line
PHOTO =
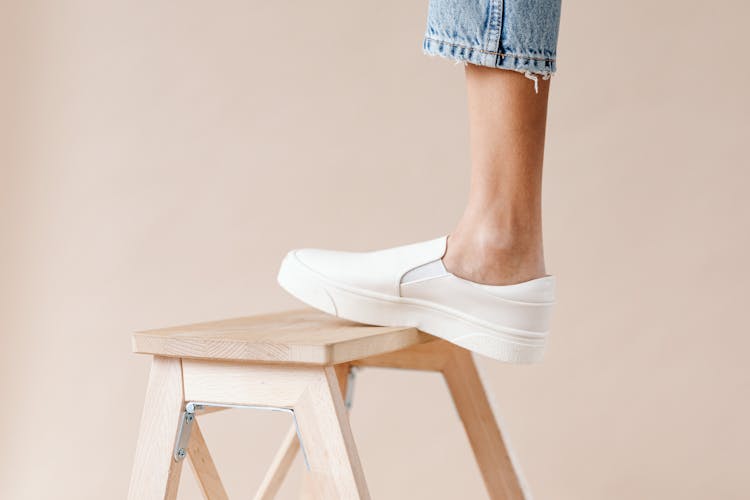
[(351, 269), (316, 260), (334, 265)]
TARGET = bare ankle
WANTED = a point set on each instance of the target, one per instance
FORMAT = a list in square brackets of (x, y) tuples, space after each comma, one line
[(494, 260)]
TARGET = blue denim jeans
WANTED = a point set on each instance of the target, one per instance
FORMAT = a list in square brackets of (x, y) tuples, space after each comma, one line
[(520, 35)]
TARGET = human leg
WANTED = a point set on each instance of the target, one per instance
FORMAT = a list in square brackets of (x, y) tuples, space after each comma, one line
[(499, 237)]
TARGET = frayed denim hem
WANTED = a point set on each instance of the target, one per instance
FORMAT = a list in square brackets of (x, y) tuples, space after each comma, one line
[(530, 65)]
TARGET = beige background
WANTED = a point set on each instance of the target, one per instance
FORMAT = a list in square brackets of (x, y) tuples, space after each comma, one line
[(158, 158)]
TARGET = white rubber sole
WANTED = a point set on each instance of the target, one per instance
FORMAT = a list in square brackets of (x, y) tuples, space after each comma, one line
[(372, 308)]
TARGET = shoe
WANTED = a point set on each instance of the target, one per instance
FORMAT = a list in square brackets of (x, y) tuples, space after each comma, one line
[(409, 286)]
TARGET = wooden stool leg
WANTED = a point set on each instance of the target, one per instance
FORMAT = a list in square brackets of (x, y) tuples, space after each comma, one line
[(279, 467), (156, 475), (203, 466), (335, 469), (282, 462), (307, 490), (484, 434)]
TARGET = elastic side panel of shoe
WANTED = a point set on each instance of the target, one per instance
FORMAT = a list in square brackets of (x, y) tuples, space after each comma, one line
[(432, 269)]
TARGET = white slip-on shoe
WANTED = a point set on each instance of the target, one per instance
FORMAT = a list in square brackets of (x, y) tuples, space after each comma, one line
[(409, 286)]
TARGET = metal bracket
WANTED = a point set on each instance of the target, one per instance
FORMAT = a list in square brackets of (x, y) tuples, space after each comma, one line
[(183, 433), (188, 417), (350, 377)]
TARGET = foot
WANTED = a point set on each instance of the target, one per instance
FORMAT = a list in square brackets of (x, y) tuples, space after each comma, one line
[(408, 285)]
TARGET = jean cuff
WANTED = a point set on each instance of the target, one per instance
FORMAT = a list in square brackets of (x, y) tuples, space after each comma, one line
[(524, 63)]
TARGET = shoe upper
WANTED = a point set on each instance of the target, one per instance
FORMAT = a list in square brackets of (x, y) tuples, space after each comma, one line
[(378, 270), (415, 271)]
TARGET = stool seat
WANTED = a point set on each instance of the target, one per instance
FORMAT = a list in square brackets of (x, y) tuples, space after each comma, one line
[(305, 336)]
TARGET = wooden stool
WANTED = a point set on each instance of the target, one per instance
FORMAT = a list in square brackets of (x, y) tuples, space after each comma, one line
[(297, 362)]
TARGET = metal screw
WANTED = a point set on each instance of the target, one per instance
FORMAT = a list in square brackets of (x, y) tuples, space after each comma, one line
[(181, 453)]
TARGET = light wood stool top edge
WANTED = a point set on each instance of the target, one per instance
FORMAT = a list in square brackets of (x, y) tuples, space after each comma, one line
[(305, 336)]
